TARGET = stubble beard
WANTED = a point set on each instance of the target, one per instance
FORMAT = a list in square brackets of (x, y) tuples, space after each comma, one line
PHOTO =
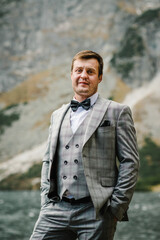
[(85, 93)]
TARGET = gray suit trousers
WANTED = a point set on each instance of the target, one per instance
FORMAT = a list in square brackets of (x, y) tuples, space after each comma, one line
[(59, 221)]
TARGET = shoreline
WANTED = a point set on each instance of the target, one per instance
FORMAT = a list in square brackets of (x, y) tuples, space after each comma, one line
[(155, 188)]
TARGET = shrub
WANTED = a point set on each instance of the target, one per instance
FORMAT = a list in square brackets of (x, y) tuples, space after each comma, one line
[(150, 163)]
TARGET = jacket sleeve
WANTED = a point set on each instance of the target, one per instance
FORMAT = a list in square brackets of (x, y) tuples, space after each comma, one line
[(127, 154), (45, 168)]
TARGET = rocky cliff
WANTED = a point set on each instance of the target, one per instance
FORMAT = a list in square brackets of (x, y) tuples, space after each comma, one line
[(38, 41)]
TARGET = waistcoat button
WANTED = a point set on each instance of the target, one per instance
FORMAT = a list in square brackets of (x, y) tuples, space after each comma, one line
[(64, 177), (75, 177), (77, 145), (76, 161), (66, 146), (65, 162)]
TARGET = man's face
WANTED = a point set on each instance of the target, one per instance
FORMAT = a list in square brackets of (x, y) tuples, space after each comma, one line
[(85, 78)]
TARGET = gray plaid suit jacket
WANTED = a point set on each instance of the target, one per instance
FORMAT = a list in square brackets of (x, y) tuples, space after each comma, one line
[(110, 135)]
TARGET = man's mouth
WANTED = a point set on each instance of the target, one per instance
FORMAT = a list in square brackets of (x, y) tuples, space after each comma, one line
[(83, 83)]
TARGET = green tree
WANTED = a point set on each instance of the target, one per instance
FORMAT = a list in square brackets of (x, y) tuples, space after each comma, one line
[(150, 163)]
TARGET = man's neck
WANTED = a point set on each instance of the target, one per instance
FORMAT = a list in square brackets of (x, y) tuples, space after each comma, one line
[(81, 98)]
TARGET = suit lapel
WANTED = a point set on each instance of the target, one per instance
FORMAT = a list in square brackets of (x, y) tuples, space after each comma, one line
[(98, 112), (57, 120), (96, 117)]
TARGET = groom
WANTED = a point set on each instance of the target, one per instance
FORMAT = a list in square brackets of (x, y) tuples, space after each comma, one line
[(83, 191)]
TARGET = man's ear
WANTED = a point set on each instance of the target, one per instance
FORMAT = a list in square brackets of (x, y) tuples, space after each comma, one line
[(100, 78), (71, 74)]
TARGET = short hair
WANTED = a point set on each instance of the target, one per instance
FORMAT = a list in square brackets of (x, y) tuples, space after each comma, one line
[(87, 54)]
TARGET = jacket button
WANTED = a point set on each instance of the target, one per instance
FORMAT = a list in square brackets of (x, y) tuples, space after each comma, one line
[(64, 177), (75, 177), (76, 161), (77, 145), (65, 162), (67, 147)]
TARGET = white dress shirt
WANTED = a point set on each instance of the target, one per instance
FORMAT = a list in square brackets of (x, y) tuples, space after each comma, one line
[(76, 118)]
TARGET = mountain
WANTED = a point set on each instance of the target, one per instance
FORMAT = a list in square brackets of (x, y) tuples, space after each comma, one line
[(39, 39)]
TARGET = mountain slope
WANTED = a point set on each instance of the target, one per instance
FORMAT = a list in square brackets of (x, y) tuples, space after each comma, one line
[(39, 39)]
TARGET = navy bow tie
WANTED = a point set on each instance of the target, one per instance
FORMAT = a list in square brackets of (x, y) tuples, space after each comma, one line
[(86, 104)]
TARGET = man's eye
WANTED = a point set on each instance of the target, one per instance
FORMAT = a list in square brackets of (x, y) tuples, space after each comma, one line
[(79, 70), (90, 71)]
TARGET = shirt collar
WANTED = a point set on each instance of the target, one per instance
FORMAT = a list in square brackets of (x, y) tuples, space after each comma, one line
[(93, 98)]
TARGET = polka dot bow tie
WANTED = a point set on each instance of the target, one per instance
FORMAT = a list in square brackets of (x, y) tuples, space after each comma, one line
[(86, 104)]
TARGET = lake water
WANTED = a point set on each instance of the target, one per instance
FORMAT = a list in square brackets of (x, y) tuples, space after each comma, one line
[(19, 211)]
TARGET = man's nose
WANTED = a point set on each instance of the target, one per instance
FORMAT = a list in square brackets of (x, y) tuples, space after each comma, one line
[(84, 74)]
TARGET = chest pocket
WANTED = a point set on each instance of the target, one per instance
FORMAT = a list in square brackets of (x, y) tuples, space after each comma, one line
[(110, 130)]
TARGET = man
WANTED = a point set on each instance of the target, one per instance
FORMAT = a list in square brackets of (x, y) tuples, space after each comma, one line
[(84, 194)]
